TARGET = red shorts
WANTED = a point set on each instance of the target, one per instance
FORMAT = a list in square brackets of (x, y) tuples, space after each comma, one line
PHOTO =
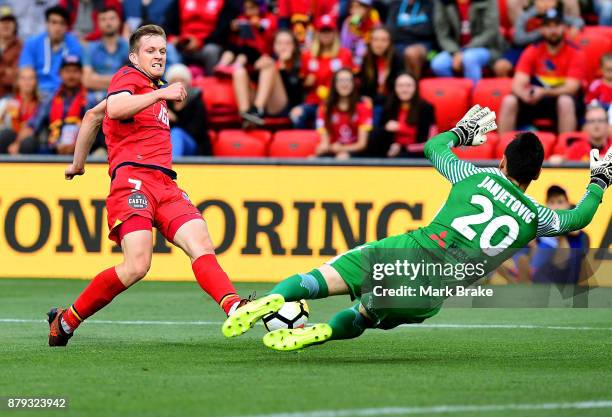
[(149, 194)]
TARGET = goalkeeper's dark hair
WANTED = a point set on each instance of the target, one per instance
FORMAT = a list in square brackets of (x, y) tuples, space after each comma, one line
[(524, 157)]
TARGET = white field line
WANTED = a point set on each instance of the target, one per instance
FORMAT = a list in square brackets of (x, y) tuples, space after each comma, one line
[(442, 409), (410, 326)]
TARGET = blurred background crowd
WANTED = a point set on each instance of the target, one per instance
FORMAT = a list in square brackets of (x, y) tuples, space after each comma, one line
[(304, 78)]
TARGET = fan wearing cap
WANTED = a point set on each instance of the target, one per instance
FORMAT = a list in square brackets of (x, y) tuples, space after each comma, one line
[(357, 28), (548, 80), (61, 115), (319, 63)]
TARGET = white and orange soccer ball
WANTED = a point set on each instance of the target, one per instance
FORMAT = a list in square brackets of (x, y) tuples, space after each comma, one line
[(292, 315)]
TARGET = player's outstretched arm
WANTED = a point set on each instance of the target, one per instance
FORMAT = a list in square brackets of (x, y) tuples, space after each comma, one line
[(124, 105), (88, 130), (559, 222), (470, 131)]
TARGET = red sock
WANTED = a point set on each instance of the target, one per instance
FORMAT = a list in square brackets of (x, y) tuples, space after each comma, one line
[(215, 281), (100, 291)]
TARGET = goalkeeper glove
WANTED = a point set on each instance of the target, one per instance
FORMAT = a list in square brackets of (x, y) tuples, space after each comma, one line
[(472, 129), (601, 169)]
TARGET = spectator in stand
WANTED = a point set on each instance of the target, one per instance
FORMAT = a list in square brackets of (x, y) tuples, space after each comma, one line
[(10, 48), (188, 121), (279, 86), (599, 136), (603, 8), (412, 31), (299, 15), (357, 29), (30, 14), (547, 82), (103, 58), (407, 121), (253, 34), (559, 260), (84, 22), (600, 91), (60, 115), (44, 51), (16, 111), (380, 67), (527, 31), (345, 120), (319, 63), (143, 12), (468, 33), (200, 29)]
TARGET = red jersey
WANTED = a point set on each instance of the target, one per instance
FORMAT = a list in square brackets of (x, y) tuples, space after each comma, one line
[(552, 70), (600, 92), (406, 134), (145, 138), (580, 150), (463, 7), (323, 68), (198, 18), (260, 30), (345, 126)]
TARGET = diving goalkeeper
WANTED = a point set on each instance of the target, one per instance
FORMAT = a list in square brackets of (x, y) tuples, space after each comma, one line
[(487, 213)]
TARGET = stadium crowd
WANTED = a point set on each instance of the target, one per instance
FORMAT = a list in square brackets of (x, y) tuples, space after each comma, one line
[(338, 78)]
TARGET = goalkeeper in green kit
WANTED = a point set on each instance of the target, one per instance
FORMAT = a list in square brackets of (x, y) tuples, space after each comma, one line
[(487, 213)]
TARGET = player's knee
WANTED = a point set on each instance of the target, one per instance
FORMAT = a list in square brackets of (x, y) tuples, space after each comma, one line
[(565, 103), (137, 268), (510, 103)]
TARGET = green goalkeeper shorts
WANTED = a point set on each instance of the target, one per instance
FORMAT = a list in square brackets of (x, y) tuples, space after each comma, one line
[(355, 265)]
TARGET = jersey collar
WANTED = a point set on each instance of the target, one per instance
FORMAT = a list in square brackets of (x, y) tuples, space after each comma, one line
[(156, 83)]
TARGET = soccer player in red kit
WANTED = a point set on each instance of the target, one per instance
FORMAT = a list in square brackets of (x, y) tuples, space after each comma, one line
[(143, 192)]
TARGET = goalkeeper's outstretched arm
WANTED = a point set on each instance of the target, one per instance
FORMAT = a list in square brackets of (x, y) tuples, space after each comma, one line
[(560, 222), (470, 131), (438, 151), (88, 130)]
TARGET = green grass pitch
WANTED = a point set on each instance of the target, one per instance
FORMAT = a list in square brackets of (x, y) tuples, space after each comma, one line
[(187, 369)]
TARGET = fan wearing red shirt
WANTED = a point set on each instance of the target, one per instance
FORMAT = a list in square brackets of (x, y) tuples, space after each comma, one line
[(600, 90), (319, 63), (547, 82), (143, 192), (345, 120), (597, 131)]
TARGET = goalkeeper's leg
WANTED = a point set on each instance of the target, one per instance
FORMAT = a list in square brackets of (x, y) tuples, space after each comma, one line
[(346, 324), (318, 283)]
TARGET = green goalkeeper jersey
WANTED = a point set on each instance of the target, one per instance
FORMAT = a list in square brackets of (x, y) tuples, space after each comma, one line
[(489, 217)]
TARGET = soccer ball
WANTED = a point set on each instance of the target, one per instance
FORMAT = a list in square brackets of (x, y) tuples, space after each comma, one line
[(292, 315)]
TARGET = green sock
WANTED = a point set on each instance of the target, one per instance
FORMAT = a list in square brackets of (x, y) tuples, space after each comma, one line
[(348, 324), (297, 287)]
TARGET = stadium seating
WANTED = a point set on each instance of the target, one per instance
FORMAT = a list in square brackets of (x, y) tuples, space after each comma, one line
[(240, 143), (563, 140), (484, 151), (212, 135), (594, 45), (489, 92), (548, 140), (294, 143), (219, 100), (450, 98)]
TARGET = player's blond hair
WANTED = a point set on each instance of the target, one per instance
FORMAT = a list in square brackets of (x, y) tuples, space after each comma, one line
[(141, 32)]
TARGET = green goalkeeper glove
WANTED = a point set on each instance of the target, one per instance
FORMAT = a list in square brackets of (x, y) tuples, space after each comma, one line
[(473, 127), (601, 169)]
